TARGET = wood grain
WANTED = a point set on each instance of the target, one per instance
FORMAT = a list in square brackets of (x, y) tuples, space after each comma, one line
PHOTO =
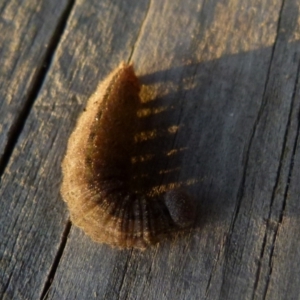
[(220, 116), (214, 81), (29, 31), (33, 216)]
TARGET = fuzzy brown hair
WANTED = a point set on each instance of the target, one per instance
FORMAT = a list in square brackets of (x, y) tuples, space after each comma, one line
[(96, 166)]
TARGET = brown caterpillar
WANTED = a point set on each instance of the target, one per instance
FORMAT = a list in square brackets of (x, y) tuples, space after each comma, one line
[(96, 166)]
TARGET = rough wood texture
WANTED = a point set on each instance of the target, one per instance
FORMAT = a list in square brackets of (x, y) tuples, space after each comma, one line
[(220, 116), (29, 30), (33, 216)]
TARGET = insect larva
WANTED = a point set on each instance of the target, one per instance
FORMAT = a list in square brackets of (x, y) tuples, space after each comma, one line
[(96, 183)]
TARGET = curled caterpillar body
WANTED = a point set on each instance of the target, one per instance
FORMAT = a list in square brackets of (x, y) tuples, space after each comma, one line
[(96, 166)]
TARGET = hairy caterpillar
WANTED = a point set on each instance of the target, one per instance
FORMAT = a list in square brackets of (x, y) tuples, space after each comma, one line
[(96, 183)]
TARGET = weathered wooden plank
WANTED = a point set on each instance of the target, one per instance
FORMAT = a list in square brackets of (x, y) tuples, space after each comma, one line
[(262, 193), (281, 267), (33, 217), (222, 77), (29, 30)]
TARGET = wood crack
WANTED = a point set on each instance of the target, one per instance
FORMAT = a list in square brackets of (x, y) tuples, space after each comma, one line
[(140, 31), (264, 102), (291, 166), (56, 261), (261, 109), (7, 284), (125, 272), (213, 270), (154, 257), (17, 127)]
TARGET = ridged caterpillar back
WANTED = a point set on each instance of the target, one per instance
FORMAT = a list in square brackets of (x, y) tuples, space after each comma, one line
[(96, 177)]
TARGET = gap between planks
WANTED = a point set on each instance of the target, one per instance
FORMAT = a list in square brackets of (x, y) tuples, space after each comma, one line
[(17, 127)]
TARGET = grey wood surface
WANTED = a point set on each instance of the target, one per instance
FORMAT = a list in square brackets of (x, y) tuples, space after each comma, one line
[(29, 33), (220, 117)]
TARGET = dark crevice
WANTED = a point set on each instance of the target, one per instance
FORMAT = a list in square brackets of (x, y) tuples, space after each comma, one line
[(261, 109), (125, 272), (257, 274), (213, 271), (274, 192), (291, 166), (277, 183), (33, 92), (290, 173), (147, 276), (56, 261), (6, 285), (254, 129), (140, 31)]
